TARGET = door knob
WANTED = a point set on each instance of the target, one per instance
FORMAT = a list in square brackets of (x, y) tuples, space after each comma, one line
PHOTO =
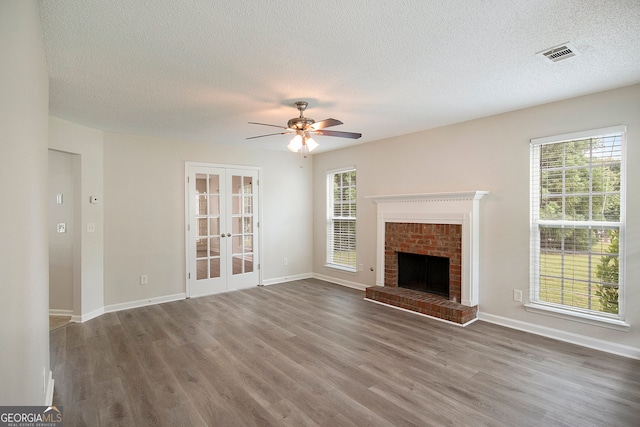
[(228, 234)]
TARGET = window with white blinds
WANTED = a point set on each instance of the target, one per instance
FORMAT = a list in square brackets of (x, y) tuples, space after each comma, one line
[(577, 222), (341, 219)]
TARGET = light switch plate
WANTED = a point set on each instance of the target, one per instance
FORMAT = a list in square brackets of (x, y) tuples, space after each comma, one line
[(517, 295)]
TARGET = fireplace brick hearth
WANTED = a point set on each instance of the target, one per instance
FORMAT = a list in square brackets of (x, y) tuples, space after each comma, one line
[(423, 302)]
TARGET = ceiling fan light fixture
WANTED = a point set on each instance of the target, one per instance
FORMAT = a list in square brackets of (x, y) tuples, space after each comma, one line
[(310, 143), (296, 144)]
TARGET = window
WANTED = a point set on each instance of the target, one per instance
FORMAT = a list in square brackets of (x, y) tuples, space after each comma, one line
[(577, 223), (341, 219)]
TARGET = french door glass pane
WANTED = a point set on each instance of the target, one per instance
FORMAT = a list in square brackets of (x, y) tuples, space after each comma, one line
[(248, 264), (237, 264), (214, 205), (235, 225), (248, 187), (236, 245), (215, 268), (201, 268), (208, 226), (236, 184), (247, 201), (248, 244), (201, 206), (202, 227), (214, 247), (201, 248), (214, 226), (247, 223), (235, 205), (214, 184), (201, 183)]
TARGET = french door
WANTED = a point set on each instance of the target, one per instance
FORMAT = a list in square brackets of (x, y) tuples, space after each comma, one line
[(222, 229)]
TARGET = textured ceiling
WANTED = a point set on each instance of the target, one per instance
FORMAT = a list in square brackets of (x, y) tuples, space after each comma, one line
[(200, 70)]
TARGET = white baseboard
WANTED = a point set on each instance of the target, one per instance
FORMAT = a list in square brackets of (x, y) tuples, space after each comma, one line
[(329, 279), (76, 318), (48, 396), (582, 340), (348, 284), (144, 302), (60, 312), (285, 279), (88, 316)]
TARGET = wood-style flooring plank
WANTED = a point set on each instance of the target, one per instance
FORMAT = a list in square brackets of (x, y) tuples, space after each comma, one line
[(309, 353)]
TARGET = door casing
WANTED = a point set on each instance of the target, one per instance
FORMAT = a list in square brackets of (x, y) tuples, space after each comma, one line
[(189, 166)]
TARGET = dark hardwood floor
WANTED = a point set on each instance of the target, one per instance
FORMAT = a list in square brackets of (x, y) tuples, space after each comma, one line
[(312, 353)]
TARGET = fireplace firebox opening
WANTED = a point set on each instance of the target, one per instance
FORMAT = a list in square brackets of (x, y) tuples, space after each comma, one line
[(425, 273)]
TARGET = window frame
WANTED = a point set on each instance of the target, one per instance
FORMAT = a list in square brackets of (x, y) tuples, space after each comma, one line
[(568, 312), (331, 219)]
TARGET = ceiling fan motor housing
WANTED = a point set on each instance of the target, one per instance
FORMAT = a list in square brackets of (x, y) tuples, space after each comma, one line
[(300, 123)]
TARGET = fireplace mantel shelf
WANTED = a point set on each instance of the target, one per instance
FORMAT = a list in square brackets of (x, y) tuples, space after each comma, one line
[(420, 197)]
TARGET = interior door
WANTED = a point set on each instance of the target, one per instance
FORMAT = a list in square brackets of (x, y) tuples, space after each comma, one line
[(242, 240), (222, 206)]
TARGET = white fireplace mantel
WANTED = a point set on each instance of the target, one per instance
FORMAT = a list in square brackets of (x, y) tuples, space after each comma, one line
[(462, 207)]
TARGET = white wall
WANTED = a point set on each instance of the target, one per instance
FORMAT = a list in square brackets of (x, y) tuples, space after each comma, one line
[(492, 154), (144, 213), (87, 144), (24, 269), (61, 181)]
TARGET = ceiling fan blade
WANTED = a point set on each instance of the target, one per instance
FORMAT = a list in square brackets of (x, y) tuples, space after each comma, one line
[(351, 135), (325, 124), (265, 124), (270, 134)]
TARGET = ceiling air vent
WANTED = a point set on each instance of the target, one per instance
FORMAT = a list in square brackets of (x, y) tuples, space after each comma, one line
[(560, 52)]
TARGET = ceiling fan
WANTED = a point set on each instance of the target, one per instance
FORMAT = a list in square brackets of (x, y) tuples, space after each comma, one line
[(303, 127)]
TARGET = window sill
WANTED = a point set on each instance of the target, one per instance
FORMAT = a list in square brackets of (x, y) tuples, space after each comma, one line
[(341, 268), (590, 319)]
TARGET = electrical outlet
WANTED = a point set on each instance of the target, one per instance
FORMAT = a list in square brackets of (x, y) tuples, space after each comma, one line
[(517, 295), (144, 279)]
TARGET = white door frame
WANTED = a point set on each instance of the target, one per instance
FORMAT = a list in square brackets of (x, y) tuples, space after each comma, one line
[(187, 166)]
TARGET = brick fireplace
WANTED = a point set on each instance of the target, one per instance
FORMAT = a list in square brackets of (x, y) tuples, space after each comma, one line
[(442, 240), (441, 225)]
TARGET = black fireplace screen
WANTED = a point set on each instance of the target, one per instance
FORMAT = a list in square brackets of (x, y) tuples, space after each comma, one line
[(424, 273)]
